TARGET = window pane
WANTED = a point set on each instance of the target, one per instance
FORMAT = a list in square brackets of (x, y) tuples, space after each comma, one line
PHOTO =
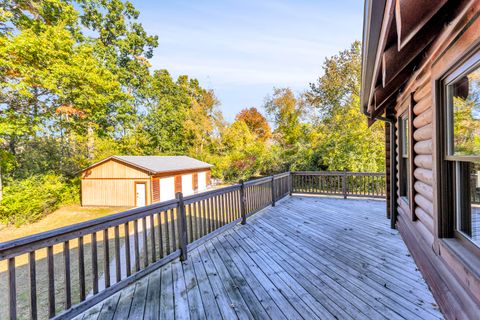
[(405, 137), (468, 200), (404, 165), (464, 96)]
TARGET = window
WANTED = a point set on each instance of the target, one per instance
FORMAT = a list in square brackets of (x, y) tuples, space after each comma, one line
[(404, 155), (463, 146)]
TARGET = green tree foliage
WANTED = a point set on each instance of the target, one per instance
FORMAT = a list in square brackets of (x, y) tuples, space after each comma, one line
[(292, 133), (343, 140), (29, 199), (166, 112), (286, 111), (70, 70), (182, 117), (238, 153)]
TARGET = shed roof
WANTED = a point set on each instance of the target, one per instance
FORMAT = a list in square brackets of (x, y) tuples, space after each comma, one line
[(158, 164)]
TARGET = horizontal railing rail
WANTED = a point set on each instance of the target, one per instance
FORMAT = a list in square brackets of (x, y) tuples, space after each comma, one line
[(63, 272), (41, 240)]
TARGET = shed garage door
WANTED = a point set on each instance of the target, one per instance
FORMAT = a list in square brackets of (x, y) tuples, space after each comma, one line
[(202, 181), (187, 184), (167, 188)]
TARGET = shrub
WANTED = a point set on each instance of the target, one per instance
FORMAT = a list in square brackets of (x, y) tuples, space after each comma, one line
[(27, 200)]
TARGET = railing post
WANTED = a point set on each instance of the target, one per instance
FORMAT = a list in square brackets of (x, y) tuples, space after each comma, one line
[(182, 226), (344, 184), (242, 202), (12, 289), (290, 183), (273, 190)]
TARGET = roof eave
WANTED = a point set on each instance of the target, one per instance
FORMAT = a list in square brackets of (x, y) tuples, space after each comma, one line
[(148, 171), (185, 169), (372, 25), (120, 160)]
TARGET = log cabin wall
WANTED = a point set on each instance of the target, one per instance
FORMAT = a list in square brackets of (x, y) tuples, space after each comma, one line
[(418, 105), (451, 271)]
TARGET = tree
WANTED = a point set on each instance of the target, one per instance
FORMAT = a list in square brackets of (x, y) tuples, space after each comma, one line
[(286, 111), (344, 140), (166, 113), (238, 154), (256, 122), (73, 70), (291, 133), (51, 86), (202, 118), (181, 116), (340, 83)]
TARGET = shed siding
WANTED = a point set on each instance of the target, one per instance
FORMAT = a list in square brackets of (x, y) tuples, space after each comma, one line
[(112, 183), (114, 169), (111, 192)]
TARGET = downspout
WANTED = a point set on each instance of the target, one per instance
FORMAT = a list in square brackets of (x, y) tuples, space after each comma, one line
[(393, 167)]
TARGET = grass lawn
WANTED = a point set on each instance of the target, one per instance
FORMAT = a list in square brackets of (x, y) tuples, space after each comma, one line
[(62, 217)]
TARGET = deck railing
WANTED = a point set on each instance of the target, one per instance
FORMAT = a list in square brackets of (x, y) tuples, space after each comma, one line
[(63, 272), (340, 183)]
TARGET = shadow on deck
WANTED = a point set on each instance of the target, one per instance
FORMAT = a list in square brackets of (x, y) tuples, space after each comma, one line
[(308, 257)]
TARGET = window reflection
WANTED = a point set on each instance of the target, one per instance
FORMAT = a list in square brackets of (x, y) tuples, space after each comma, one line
[(468, 200), (464, 149), (465, 99), (404, 163)]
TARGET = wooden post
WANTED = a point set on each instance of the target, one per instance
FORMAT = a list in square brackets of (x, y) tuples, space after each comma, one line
[(242, 202), (273, 191), (290, 183), (12, 289), (344, 184), (182, 226)]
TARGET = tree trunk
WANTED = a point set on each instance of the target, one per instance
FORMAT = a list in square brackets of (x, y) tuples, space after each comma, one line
[(1, 184), (90, 142)]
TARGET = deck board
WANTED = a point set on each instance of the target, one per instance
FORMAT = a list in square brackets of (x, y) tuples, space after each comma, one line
[(308, 257)]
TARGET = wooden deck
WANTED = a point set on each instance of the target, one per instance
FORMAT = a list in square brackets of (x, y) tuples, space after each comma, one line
[(308, 257)]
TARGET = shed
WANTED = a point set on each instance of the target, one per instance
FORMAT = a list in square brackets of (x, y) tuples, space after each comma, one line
[(141, 180)]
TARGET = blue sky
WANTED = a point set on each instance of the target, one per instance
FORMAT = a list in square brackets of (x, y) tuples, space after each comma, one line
[(242, 49)]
